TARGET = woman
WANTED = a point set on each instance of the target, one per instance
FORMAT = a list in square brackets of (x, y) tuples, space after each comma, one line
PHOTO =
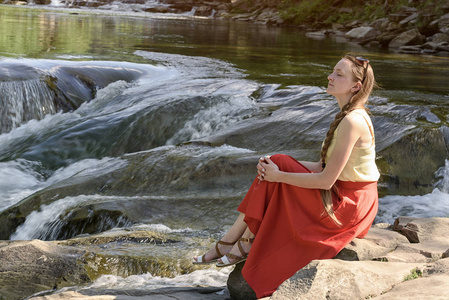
[(295, 212)]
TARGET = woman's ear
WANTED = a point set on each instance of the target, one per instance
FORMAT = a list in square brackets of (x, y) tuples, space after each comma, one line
[(356, 87)]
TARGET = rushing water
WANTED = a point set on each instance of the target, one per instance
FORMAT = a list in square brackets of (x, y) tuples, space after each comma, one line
[(84, 90)]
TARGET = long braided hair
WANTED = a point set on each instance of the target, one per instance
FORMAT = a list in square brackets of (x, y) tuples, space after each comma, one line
[(361, 71)]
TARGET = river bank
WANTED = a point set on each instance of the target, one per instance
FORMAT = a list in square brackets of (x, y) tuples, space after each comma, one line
[(415, 28), (407, 260)]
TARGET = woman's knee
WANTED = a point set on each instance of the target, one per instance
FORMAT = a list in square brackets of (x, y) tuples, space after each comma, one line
[(279, 159)]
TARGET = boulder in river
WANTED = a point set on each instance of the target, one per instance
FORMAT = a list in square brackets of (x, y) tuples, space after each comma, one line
[(410, 37), (361, 33), (27, 267)]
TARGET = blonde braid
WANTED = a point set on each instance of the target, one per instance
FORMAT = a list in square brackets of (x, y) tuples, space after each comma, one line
[(366, 77)]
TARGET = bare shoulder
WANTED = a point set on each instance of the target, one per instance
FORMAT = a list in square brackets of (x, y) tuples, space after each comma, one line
[(354, 120)]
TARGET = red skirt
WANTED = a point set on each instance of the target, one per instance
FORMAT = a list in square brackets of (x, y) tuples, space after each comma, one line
[(292, 230)]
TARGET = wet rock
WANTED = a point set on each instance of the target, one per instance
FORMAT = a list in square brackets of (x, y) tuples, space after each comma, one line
[(160, 9), (430, 45), (412, 18), (410, 49), (42, 2), (428, 51), (316, 34), (142, 175), (175, 293), (443, 23), (410, 37), (28, 267), (443, 47), (397, 17), (361, 33), (380, 24), (238, 288), (204, 11), (439, 38), (417, 177)]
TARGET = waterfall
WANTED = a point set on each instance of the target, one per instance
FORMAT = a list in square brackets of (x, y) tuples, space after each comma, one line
[(21, 101)]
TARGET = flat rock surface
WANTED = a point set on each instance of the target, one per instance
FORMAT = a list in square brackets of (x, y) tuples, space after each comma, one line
[(187, 293)]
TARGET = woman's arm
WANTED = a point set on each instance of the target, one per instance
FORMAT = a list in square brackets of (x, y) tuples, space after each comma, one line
[(349, 133), (315, 167)]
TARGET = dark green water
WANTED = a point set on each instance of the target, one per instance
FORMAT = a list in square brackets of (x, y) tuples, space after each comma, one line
[(267, 54)]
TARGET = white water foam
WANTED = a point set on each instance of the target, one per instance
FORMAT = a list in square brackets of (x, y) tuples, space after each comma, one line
[(38, 222), (434, 204), (19, 179), (208, 277)]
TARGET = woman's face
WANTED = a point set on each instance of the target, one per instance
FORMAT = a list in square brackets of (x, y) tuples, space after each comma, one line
[(341, 81)]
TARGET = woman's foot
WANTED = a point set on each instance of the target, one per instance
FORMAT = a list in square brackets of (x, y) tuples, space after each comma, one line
[(238, 253), (221, 248)]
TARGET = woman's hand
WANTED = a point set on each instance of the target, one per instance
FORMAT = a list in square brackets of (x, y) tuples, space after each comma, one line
[(267, 169)]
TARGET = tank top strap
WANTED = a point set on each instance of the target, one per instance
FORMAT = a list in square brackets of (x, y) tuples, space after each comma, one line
[(364, 115)]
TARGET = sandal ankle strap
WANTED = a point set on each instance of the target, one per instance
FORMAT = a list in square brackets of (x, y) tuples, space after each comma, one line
[(222, 243), (246, 240)]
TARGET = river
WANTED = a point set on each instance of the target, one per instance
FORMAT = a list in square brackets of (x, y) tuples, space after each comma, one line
[(84, 92)]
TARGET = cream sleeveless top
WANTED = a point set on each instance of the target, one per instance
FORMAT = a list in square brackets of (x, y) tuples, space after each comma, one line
[(361, 165)]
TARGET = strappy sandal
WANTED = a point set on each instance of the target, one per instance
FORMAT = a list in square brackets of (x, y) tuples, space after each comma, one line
[(201, 260), (238, 259)]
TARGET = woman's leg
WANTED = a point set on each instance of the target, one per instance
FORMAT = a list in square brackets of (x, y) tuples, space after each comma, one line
[(244, 244), (234, 233)]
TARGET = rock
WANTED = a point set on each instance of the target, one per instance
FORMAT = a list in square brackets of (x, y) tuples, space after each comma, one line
[(430, 45), (439, 38), (159, 9), (346, 10), (385, 38), (410, 49), (336, 279), (28, 267), (316, 34), (433, 249), (337, 26), (150, 178), (42, 2), (410, 37), (435, 287), (352, 24), (362, 249), (380, 24), (422, 229), (397, 17), (442, 47), (440, 267), (174, 293), (385, 237), (428, 51), (204, 11), (410, 18), (426, 161), (361, 33), (443, 22), (238, 288), (442, 53), (393, 27), (407, 10)]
